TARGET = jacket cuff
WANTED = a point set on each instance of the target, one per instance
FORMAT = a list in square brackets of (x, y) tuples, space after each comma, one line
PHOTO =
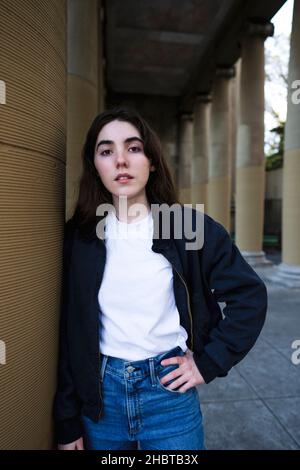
[(207, 367), (68, 430)]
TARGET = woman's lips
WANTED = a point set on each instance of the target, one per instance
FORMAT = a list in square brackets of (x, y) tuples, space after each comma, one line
[(124, 180)]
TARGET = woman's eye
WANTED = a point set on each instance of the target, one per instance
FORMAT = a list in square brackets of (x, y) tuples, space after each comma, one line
[(104, 152), (135, 149)]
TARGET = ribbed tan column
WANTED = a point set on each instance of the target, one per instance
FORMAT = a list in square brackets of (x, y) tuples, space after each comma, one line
[(250, 161), (219, 170), (201, 149), (288, 271), (83, 80), (32, 214), (186, 140)]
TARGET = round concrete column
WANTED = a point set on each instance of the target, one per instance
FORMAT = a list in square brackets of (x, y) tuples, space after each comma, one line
[(186, 140), (288, 271), (201, 149), (84, 28), (32, 213), (219, 168), (250, 160)]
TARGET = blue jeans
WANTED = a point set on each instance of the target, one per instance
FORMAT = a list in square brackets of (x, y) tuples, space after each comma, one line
[(140, 413)]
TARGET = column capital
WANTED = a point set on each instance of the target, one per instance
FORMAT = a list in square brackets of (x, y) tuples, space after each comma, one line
[(261, 28), (187, 116), (203, 98), (225, 71)]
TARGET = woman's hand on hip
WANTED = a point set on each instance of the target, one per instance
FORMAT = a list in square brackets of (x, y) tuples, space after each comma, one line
[(187, 374)]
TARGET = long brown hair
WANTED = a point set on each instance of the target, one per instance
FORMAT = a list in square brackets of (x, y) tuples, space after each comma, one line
[(92, 192)]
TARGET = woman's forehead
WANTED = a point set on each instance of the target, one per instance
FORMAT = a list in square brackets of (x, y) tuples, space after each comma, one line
[(118, 130)]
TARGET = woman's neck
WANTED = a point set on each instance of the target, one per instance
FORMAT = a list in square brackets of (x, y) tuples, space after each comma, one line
[(129, 211)]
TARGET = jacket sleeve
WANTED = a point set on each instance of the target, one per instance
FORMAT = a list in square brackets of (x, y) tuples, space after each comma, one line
[(232, 280), (66, 405)]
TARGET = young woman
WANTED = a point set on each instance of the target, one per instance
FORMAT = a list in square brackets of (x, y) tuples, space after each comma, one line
[(141, 325)]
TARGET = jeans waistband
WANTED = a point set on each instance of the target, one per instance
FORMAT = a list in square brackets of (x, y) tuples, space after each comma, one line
[(141, 367)]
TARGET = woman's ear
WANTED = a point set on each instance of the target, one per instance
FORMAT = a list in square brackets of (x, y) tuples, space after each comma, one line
[(152, 167)]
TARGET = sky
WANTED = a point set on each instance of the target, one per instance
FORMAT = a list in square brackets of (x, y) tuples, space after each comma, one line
[(283, 18), (277, 48)]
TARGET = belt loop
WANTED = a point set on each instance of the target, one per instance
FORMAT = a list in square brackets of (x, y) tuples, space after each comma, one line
[(152, 372), (103, 365)]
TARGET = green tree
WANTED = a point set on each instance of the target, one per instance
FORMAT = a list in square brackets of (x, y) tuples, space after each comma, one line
[(275, 153), (276, 81)]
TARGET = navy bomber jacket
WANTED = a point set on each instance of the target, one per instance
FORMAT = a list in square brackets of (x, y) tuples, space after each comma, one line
[(202, 277)]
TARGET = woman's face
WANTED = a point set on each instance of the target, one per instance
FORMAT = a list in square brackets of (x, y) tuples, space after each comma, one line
[(119, 149)]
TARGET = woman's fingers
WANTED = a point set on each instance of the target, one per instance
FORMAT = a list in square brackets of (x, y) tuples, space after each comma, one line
[(75, 445), (79, 444)]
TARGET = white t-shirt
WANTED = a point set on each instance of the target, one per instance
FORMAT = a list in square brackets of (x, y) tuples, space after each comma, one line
[(139, 318)]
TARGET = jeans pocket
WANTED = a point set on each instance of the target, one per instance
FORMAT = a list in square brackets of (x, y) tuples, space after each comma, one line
[(161, 372)]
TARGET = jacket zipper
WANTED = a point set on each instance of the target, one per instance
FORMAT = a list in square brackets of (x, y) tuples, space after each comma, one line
[(189, 307), (100, 393), (99, 371), (99, 357)]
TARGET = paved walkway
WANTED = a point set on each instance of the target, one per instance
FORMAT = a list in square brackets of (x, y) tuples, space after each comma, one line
[(257, 406)]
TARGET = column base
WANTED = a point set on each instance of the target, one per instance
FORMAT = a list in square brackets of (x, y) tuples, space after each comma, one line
[(256, 258), (286, 275)]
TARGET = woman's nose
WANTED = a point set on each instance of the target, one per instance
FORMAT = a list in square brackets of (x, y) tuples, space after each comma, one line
[(121, 156)]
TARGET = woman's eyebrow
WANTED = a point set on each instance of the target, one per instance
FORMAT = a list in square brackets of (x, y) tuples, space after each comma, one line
[(126, 141)]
